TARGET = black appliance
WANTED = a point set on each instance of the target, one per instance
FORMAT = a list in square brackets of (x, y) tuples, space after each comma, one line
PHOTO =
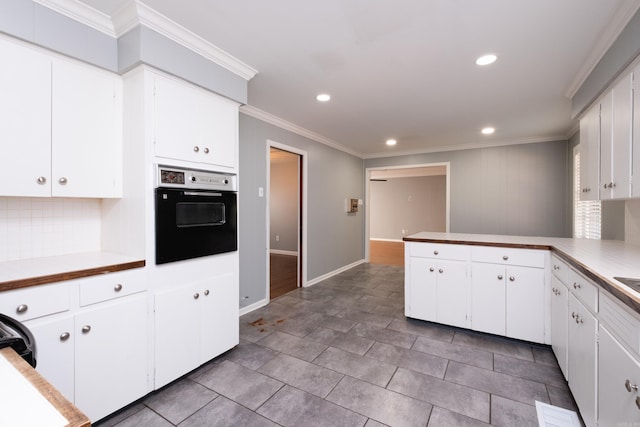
[(17, 336), (196, 213)]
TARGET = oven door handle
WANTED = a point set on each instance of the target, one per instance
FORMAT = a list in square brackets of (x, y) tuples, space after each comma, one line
[(202, 193)]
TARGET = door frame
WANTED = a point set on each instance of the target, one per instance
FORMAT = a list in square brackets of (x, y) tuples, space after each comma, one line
[(367, 176), (302, 214)]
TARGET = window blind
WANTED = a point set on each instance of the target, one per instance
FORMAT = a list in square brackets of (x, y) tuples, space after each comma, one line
[(587, 216)]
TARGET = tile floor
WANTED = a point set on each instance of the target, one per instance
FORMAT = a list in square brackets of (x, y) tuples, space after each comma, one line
[(341, 353)]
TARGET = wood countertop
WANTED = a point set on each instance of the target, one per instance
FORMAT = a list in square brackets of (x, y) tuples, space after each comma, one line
[(34, 401), (38, 271), (599, 260)]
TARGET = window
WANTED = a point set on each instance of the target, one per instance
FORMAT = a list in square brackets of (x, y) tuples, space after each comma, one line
[(587, 213)]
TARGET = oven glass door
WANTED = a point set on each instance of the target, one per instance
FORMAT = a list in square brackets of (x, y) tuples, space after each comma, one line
[(191, 224)]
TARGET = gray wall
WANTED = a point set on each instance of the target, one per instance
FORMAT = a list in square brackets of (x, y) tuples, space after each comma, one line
[(513, 190), (284, 198), (335, 238), (412, 204)]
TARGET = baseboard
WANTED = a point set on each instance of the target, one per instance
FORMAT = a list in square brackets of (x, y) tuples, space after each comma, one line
[(281, 252), (254, 306), (333, 273)]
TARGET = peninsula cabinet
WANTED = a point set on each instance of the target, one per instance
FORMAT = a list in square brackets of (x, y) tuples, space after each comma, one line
[(192, 325), (61, 126), (193, 124), (507, 292), (559, 322)]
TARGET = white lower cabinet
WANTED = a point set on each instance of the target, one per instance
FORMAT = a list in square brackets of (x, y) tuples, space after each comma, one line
[(619, 378), (192, 326), (559, 322), (508, 301), (582, 358)]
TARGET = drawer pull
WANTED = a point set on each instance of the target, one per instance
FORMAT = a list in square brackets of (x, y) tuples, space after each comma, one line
[(638, 402), (436, 252), (505, 257), (86, 329), (117, 287), (440, 270), (431, 269), (22, 308), (512, 279), (196, 295), (556, 267), (630, 387), (206, 292), (41, 180), (196, 149), (573, 314), (65, 336), (500, 277), (206, 150), (576, 285)]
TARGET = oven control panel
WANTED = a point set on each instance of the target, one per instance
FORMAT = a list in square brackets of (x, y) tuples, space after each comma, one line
[(174, 177)]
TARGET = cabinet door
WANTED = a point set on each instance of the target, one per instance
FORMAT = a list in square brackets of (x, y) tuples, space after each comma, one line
[(220, 313), (525, 303), (25, 128), (618, 379), (606, 146), (452, 293), (194, 125), (559, 322), (621, 139), (635, 185), (590, 154), (422, 290), (582, 358), (488, 298), (55, 339), (177, 333), (111, 356), (86, 132)]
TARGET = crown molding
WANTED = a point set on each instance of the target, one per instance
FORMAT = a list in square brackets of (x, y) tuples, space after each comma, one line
[(283, 124), (82, 13), (134, 13), (606, 39)]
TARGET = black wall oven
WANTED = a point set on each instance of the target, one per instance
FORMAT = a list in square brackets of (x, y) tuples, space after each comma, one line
[(196, 214)]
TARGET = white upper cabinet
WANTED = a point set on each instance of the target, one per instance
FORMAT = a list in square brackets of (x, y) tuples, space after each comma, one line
[(61, 128), (194, 125), (25, 128), (635, 179), (615, 141), (86, 131), (590, 154)]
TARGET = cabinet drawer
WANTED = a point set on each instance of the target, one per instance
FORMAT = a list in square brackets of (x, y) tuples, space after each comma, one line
[(623, 324), (560, 269), (508, 256), (37, 301), (584, 289), (112, 285), (438, 250)]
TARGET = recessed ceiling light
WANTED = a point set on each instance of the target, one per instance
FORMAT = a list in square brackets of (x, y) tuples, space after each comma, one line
[(486, 59), (391, 142), (323, 97), (488, 131)]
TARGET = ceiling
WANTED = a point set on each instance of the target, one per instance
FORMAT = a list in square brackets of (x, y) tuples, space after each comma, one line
[(406, 69)]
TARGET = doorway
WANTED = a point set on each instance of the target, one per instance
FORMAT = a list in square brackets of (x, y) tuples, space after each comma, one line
[(402, 201), (285, 225)]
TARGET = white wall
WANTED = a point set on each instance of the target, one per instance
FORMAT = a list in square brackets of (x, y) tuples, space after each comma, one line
[(632, 222)]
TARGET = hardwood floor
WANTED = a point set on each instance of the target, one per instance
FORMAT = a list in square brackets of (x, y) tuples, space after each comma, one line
[(284, 275), (386, 253)]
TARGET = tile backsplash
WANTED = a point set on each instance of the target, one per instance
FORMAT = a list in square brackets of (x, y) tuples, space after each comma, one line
[(40, 227), (632, 222)]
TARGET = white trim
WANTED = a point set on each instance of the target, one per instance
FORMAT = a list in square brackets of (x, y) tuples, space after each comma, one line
[(334, 273), (254, 306), (82, 13), (608, 36), (386, 240), (298, 130), (281, 252), (367, 218), (302, 215)]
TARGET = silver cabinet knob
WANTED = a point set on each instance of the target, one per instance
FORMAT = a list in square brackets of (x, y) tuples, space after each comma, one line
[(86, 329), (504, 257), (431, 269), (630, 387), (41, 180), (576, 285), (512, 279), (65, 336), (206, 292), (638, 402), (62, 181), (440, 271), (196, 295), (206, 150), (500, 277), (436, 252), (196, 148), (22, 308), (573, 314), (117, 287)]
